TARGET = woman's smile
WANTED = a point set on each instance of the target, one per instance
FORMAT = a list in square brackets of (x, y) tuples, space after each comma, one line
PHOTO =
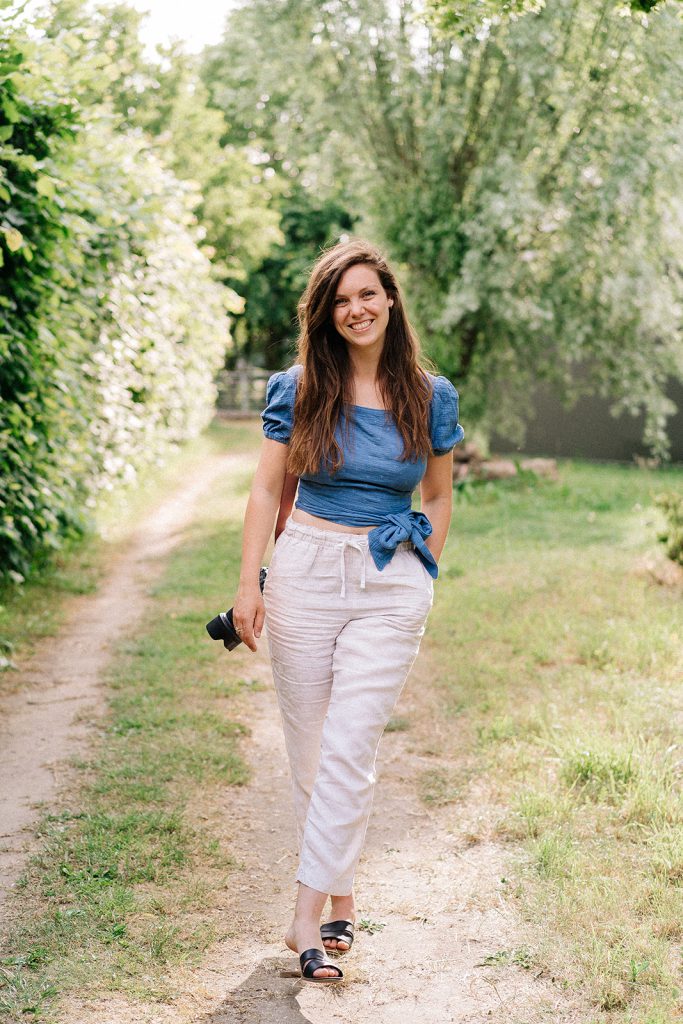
[(361, 305)]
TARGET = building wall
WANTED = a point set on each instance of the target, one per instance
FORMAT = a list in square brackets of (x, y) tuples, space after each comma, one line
[(588, 430)]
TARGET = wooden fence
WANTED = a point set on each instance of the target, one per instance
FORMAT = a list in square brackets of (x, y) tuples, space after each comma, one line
[(242, 392)]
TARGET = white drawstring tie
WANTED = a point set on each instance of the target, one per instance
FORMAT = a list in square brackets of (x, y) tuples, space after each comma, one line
[(342, 548)]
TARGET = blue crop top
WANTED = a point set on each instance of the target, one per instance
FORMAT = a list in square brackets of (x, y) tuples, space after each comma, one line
[(373, 487)]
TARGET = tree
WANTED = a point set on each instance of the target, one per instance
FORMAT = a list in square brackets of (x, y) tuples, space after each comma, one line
[(464, 16), (112, 325), (167, 100), (522, 176), (273, 291), (281, 119)]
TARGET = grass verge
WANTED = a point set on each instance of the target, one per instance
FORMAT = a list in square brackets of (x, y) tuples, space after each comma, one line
[(558, 684), (117, 892)]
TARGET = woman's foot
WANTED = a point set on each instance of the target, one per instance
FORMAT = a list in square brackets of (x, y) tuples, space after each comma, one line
[(302, 935), (343, 909)]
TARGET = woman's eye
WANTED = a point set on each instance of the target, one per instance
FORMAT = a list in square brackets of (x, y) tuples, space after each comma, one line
[(366, 295)]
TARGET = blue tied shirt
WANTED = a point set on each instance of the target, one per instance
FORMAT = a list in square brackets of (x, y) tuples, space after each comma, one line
[(386, 537), (373, 487)]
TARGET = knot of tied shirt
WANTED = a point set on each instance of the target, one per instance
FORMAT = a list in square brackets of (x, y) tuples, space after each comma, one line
[(383, 541)]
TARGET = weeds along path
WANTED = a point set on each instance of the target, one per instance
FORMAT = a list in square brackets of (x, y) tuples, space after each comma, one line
[(50, 718)]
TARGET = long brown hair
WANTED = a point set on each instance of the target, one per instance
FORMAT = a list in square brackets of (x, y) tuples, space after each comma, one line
[(325, 384)]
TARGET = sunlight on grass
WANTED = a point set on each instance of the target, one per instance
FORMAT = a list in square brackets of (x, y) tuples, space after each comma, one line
[(557, 676)]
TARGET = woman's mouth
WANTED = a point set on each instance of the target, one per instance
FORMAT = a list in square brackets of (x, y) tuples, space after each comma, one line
[(362, 326)]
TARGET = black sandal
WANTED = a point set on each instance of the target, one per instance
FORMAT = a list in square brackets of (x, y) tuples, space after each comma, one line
[(311, 960), (339, 930)]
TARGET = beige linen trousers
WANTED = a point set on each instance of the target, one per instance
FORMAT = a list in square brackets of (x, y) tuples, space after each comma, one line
[(342, 637)]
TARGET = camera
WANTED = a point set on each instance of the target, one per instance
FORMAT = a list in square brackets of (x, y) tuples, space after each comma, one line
[(223, 628)]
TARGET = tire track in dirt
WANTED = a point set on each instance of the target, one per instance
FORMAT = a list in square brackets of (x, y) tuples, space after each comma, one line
[(50, 719)]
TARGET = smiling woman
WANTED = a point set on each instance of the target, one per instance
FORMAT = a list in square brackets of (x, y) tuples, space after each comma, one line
[(361, 311), (358, 423)]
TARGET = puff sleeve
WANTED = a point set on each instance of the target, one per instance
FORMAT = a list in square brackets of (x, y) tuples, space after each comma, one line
[(278, 415), (445, 431)]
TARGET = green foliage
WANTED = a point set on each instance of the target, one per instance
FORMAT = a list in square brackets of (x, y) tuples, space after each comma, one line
[(672, 506), (111, 324), (599, 771), (524, 177), (168, 101), (302, 178), (38, 503), (269, 325), (464, 16)]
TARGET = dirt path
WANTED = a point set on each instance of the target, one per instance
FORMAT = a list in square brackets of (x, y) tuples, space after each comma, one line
[(439, 899), (50, 718), (437, 896), (440, 904)]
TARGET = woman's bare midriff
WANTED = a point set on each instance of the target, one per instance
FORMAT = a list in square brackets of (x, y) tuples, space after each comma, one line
[(299, 516)]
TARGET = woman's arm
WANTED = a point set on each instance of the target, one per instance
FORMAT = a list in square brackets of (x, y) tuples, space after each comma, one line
[(249, 611), (436, 499), (286, 501)]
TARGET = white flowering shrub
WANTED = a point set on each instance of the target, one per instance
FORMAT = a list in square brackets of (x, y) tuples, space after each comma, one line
[(112, 326), (162, 338)]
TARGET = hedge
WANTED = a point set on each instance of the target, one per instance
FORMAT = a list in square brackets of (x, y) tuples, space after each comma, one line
[(112, 326)]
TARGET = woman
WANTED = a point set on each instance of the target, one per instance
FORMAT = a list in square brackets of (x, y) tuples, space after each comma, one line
[(350, 584)]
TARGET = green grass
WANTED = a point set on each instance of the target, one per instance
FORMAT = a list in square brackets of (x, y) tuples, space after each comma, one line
[(35, 610), (117, 891), (557, 681), (558, 669)]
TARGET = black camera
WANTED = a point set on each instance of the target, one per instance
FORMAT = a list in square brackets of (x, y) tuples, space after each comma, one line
[(223, 628)]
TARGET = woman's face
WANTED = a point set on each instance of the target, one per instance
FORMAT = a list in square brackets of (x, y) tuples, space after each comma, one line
[(361, 308)]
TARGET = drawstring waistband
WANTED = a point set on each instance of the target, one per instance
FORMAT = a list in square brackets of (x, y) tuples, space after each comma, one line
[(340, 541), (343, 545)]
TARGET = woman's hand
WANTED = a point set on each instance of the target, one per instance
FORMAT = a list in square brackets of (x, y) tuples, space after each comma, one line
[(248, 614)]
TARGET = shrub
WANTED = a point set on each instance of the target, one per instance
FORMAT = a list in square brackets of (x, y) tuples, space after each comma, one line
[(112, 325), (672, 506)]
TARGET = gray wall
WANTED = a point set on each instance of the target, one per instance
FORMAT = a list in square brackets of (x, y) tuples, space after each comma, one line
[(588, 431)]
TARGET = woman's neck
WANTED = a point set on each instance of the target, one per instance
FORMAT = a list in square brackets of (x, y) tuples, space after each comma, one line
[(364, 364)]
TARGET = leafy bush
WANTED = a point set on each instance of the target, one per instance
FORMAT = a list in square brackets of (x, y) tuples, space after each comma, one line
[(111, 323), (672, 506)]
